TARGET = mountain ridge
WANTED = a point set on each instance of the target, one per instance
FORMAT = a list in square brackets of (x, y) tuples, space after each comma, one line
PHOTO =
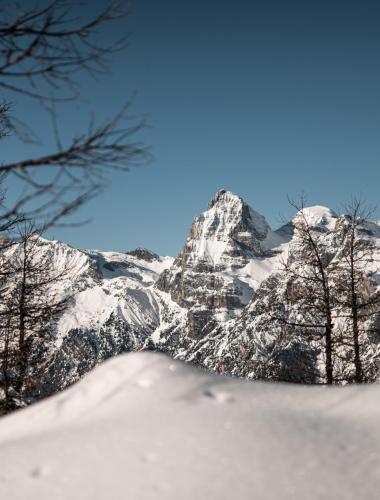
[(211, 305)]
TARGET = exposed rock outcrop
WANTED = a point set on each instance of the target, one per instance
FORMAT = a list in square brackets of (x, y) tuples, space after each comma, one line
[(211, 276)]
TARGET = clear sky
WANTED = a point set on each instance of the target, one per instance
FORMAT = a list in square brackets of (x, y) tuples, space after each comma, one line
[(264, 98)]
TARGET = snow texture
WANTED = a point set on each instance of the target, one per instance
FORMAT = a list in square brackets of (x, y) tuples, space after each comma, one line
[(143, 426)]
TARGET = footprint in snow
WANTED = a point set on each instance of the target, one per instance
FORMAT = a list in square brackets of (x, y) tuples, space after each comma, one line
[(219, 396), (39, 471)]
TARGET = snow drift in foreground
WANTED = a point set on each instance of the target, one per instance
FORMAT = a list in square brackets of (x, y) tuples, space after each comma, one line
[(143, 426)]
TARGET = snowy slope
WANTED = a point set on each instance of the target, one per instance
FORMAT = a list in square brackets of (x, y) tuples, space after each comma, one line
[(112, 309), (143, 426), (120, 289)]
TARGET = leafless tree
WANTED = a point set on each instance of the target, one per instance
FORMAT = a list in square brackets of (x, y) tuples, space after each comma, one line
[(357, 298), (43, 49), (309, 299), (31, 301)]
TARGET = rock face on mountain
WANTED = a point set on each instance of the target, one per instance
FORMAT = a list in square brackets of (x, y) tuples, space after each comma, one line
[(212, 276)]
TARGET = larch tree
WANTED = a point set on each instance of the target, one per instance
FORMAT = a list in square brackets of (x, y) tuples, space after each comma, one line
[(356, 293), (31, 301), (308, 298)]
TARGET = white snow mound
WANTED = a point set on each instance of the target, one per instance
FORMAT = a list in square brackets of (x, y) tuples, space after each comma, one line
[(143, 426)]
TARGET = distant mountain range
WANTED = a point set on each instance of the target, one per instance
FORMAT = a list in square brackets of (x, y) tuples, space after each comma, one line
[(211, 305)]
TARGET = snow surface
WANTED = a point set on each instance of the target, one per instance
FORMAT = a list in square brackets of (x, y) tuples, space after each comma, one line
[(142, 426)]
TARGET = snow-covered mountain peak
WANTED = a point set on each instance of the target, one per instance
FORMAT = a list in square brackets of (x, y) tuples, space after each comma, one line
[(317, 216), (234, 208), (213, 275), (224, 197), (228, 228)]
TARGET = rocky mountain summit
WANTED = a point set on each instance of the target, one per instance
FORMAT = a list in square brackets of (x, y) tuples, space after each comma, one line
[(215, 304), (214, 276)]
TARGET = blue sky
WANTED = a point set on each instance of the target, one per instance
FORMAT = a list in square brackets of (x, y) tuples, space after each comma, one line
[(264, 98)]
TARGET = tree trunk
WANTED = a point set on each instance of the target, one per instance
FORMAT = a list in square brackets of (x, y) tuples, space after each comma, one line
[(7, 402), (22, 344), (328, 352), (354, 314), (355, 334)]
